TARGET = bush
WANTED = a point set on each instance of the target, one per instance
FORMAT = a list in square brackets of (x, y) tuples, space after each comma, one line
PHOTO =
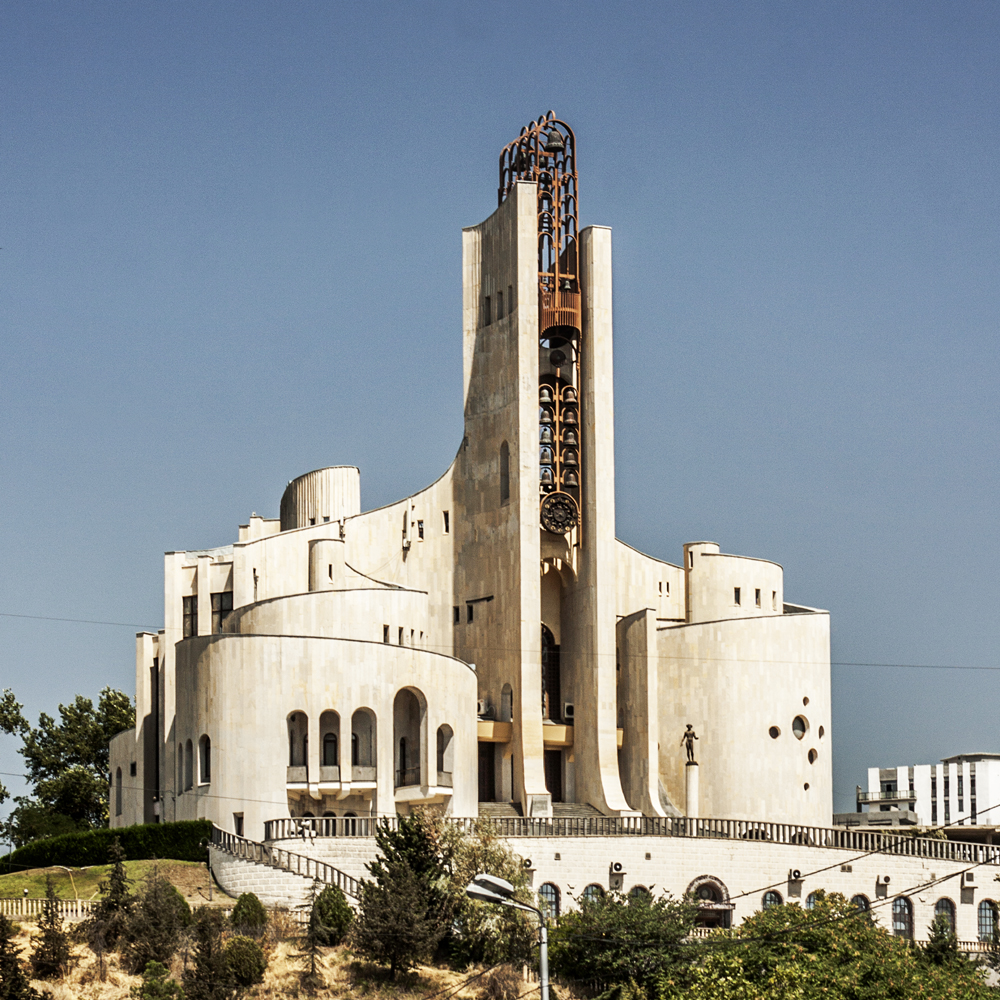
[(249, 916), (51, 954), (210, 977), (156, 924), (331, 916), (246, 960), (156, 985), (178, 841)]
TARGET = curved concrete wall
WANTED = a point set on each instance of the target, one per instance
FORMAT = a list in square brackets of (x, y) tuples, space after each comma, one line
[(713, 578), (239, 691), (733, 681), (321, 496)]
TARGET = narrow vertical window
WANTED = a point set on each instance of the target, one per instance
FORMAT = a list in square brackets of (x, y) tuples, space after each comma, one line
[(447, 526), (190, 616), (420, 530), (510, 298), (457, 615), (667, 584), (222, 608), (401, 635), (487, 312), (661, 588), (499, 305), (385, 633), (691, 560), (329, 570), (774, 600), (756, 597), (736, 596), (504, 472), (468, 612)]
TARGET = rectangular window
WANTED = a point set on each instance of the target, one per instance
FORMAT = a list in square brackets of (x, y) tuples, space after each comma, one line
[(756, 597), (661, 588), (385, 633), (401, 635), (132, 769), (457, 615), (326, 518), (667, 585), (933, 812), (446, 525), (222, 608), (412, 634), (961, 805), (190, 616), (691, 560), (961, 785), (238, 824), (468, 612), (487, 314), (947, 812), (312, 520), (736, 596), (774, 600), (510, 298), (499, 305), (420, 530)]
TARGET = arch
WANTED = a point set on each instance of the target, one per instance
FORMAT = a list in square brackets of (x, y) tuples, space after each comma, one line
[(329, 742), (409, 722), (204, 760), (551, 680), (711, 896), (862, 903), (298, 739), (902, 917), (772, 898), (445, 752), (593, 893), (118, 792), (987, 919), (504, 472), (639, 892), (188, 765), (363, 743), (944, 907), (548, 899), (811, 900)]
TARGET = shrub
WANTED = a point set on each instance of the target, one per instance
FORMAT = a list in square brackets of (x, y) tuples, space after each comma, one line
[(249, 916), (210, 977), (502, 983), (51, 954), (331, 916), (156, 924), (246, 960), (178, 841), (156, 985), (14, 983)]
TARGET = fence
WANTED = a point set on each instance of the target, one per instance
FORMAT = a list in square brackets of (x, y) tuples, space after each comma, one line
[(71, 910), (841, 838), (276, 857)]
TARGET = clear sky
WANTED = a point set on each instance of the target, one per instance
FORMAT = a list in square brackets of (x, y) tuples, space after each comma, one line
[(231, 254)]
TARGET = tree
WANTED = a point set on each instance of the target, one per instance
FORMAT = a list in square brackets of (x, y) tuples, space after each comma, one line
[(67, 762), (156, 985), (210, 978), (110, 919), (249, 916), (613, 939), (246, 960), (330, 916), (156, 923), (942, 943), (14, 983), (406, 907), (51, 954)]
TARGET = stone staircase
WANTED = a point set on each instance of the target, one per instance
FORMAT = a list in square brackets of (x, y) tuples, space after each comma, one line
[(560, 810)]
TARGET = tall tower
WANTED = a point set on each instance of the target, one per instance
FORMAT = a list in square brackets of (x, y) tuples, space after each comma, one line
[(535, 577)]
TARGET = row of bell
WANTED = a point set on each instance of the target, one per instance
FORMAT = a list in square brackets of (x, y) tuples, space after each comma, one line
[(545, 416), (545, 457), (569, 479), (546, 436), (545, 394)]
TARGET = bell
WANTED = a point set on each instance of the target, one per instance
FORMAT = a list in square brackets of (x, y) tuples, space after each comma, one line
[(565, 285), (569, 396), (545, 476), (569, 417), (570, 479), (546, 436), (545, 396), (554, 142), (557, 358), (570, 438), (546, 456), (570, 458), (545, 417)]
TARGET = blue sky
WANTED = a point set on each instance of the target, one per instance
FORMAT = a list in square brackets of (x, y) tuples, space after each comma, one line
[(231, 254)]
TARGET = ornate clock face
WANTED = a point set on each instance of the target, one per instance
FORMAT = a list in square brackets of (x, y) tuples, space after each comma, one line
[(559, 513)]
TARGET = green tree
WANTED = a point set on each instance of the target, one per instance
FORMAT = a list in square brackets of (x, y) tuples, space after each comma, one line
[(330, 916), (942, 943), (14, 984), (210, 977), (246, 960), (157, 985), (249, 916), (110, 919), (156, 923), (613, 939), (67, 762), (51, 953)]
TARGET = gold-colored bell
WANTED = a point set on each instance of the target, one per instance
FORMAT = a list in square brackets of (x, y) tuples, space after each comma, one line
[(569, 394), (546, 456), (569, 417), (545, 395), (546, 436), (545, 416), (570, 458), (545, 476), (570, 437), (570, 479)]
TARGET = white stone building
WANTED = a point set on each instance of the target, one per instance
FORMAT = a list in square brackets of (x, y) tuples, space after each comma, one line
[(489, 646)]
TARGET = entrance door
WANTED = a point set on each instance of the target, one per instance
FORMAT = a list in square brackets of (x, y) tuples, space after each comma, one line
[(487, 773), (553, 774)]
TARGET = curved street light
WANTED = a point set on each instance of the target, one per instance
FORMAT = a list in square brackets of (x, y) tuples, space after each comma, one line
[(491, 889)]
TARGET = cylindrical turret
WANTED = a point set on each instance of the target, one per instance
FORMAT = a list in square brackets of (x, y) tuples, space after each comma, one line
[(326, 564), (320, 496)]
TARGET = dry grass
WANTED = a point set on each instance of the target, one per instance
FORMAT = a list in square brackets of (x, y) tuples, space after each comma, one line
[(340, 975)]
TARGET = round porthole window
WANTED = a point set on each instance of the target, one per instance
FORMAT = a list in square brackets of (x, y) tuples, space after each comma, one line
[(813, 756), (774, 732), (799, 727)]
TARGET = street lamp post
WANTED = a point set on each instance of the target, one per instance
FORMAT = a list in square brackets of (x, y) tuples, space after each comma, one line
[(490, 889)]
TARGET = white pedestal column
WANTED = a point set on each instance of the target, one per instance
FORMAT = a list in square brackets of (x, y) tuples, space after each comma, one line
[(691, 788)]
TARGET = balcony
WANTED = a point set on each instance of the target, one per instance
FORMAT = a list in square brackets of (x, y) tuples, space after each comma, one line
[(297, 775), (329, 773), (898, 796), (362, 772), (407, 776), (444, 779)]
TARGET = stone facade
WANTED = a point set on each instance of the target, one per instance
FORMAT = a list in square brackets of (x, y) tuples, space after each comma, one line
[(464, 644)]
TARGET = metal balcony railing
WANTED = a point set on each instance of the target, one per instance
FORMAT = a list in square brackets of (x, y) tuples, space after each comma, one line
[(407, 776), (899, 796)]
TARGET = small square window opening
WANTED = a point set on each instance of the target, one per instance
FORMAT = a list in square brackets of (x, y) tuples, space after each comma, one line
[(420, 530)]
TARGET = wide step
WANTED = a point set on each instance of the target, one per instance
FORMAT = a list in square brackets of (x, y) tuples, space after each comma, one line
[(499, 810)]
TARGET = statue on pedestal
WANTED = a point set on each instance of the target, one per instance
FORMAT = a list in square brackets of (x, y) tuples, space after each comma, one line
[(687, 741)]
